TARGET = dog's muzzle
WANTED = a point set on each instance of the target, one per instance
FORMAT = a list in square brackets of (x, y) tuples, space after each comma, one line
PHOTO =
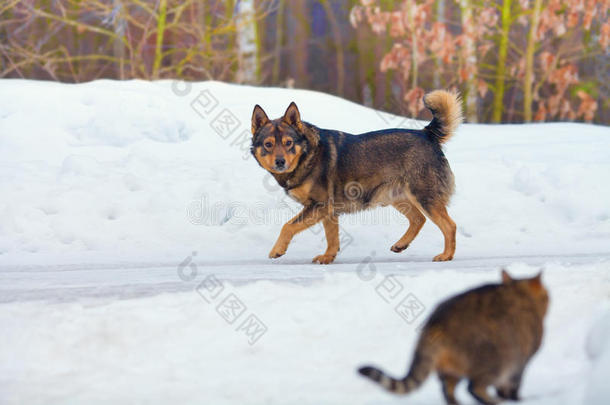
[(280, 164)]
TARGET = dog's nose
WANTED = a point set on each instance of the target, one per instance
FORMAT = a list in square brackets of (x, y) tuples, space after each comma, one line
[(279, 162)]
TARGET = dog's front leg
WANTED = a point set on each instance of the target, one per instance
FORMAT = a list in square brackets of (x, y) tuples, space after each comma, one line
[(308, 217), (331, 230)]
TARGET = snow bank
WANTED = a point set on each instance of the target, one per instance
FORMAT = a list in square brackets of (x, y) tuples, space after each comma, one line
[(136, 171), (177, 347)]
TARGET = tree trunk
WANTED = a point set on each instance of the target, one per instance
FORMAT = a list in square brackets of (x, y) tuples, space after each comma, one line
[(301, 45), (411, 17), (336, 30), (4, 38), (118, 47), (440, 17), (470, 61), (529, 61), (160, 33), (367, 66), (379, 95), (498, 103), (205, 20), (260, 40), (231, 72), (279, 40), (246, 42)]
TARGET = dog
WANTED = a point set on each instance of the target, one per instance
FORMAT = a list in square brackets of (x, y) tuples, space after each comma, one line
[(332, 172), (486, 335)]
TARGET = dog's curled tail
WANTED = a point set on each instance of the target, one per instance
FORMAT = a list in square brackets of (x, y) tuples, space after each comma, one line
[(422, 366), (446, 108)]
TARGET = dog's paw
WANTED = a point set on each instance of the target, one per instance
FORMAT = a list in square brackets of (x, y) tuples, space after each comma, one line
[(275, 253), (396, 248), (323, 259), (442, 257)]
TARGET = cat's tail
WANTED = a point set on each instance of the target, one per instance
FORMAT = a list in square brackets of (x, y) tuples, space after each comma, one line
[(422, 365)]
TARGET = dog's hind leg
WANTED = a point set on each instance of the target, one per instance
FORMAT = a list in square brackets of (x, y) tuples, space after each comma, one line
[(331, 230), (308, 217), (438, 214), (416, 222)]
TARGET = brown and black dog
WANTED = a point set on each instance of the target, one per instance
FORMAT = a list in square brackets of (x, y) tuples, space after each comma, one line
[(332, 172)]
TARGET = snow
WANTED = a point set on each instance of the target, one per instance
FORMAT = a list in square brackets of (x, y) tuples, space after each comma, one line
[(114, 192)]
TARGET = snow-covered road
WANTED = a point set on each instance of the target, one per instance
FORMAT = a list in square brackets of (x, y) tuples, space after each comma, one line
[(66, 283)]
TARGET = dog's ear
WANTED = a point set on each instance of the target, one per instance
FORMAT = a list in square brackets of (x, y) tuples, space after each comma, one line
[(259, 118), (312, 136), (293, 117)]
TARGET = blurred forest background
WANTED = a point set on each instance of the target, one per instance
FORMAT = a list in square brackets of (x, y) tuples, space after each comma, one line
[(513, 60)]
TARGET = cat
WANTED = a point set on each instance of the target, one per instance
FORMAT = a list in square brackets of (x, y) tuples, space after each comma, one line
[(486, 335)]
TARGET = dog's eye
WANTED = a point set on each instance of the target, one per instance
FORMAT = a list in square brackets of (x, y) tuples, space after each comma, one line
[(268, 145), (288, 144)]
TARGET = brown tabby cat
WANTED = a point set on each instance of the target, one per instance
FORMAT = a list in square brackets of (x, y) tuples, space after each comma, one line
[(486, 335)]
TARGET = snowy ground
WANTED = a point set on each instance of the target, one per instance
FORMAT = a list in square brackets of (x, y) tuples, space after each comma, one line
[(122, 202)]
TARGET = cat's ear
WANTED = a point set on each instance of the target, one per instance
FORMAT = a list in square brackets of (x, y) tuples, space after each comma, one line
[(292, 116), (506, 278), (536, 281), (259, 118)]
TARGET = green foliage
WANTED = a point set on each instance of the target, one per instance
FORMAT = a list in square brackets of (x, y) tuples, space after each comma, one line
[(590, 87)]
